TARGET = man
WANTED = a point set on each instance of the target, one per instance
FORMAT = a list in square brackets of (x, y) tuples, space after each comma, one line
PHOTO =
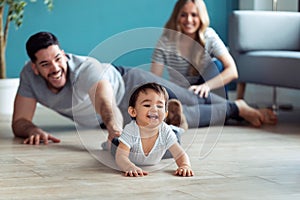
[(69, 85), (91, 93)]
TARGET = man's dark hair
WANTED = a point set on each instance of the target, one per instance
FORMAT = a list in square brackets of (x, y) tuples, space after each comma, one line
[(152, 86), (38, 41)]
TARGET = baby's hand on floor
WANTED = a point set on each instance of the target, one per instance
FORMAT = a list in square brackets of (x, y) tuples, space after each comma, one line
[(135, 172), (184, 171)]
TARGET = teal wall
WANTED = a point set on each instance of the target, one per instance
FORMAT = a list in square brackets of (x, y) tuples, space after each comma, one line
[(81, 25)]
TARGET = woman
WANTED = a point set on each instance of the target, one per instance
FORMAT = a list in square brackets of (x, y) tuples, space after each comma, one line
[(187, 47)]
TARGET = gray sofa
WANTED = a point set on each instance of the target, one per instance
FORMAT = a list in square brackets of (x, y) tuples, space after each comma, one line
[(266, 48)]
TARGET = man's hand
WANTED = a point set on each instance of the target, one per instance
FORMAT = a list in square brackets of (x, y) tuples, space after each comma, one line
[(113, 131), (40, 137), (33, 135)]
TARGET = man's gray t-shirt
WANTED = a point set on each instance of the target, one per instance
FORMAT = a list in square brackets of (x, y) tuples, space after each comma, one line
[(73, 100)]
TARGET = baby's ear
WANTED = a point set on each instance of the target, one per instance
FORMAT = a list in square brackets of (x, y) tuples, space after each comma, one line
[(131, 111)]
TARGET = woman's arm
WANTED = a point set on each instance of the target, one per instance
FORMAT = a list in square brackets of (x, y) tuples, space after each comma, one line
[(229, 73), (226, 76), (215, 46)]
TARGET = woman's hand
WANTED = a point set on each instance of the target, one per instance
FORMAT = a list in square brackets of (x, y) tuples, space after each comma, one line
[(201, 90)]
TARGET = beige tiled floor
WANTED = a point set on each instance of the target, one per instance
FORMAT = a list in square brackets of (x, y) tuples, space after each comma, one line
[(231, 162)]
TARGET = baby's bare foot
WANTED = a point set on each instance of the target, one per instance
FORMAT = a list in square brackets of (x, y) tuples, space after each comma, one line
[(175, 114)]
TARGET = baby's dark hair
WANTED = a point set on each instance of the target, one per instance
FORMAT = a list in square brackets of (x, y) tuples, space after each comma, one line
[(152, 86), (38, 41)]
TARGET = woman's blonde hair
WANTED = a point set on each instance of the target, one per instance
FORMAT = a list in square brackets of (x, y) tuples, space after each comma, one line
[(172, 23), (198, 58)]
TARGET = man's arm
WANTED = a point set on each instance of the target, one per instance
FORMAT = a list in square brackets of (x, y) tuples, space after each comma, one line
[(22, 125), (102, 96)]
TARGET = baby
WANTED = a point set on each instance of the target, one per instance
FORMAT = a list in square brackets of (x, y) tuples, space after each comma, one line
[(147, 137)]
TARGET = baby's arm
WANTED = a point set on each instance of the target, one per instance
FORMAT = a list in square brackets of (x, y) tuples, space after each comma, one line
[(182, 161), (123, 162)]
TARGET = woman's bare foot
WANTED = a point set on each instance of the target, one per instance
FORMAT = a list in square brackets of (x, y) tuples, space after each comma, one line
[(254, 116), (269, 116)]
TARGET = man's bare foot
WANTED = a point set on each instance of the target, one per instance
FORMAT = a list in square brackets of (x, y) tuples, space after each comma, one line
[(253, 116)]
